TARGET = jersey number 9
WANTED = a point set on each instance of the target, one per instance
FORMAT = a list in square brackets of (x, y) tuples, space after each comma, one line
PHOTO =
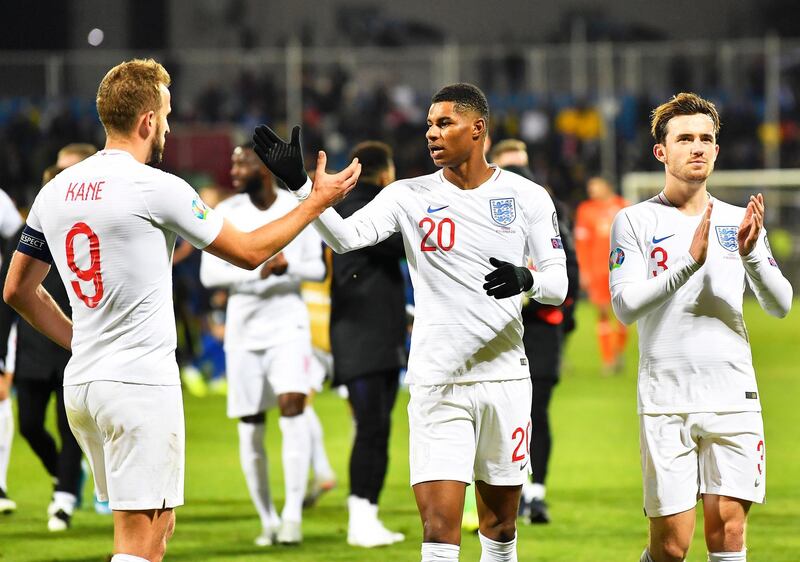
[(93, 273)]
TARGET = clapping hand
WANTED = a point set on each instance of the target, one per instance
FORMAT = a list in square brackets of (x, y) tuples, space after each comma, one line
[(699, 248), (751, 225), (277, 265)]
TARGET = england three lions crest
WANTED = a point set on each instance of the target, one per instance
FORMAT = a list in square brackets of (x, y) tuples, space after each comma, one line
[(727, 237), (504, 211)]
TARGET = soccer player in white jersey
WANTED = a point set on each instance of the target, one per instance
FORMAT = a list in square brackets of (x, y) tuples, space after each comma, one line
[(467, 230), (268, 343), (109, 224), (679, 263), (10, 222)]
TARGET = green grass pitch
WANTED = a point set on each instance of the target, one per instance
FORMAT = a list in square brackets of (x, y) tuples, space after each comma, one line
[(594, 489)]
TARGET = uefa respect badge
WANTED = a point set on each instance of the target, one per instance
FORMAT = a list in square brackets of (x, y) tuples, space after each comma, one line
[(615, 259)]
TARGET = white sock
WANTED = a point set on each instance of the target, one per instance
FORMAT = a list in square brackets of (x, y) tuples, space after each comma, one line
[(296, 450), (439, 552), (319, 458), (646, 556), (65, 501), (127, 558), (356, 510), (532, 490), (253, 457), (494, 551), (728, 556), (6, 437)]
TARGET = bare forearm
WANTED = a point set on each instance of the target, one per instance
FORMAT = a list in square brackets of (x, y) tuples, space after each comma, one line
[(250, 249), (39, 309)]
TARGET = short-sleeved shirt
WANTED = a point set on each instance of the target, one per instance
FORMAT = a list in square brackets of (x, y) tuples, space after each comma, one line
[(694, 350), (110, 224), (460, 333)]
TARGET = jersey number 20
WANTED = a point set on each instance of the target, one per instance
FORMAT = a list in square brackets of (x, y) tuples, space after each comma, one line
[(430, 225), (92, 274)]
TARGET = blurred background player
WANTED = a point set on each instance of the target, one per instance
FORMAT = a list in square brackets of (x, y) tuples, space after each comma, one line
[(368, 332), (679, 268), (317, 296), (10, 223), (73, 153), (268, 344), (39, 374), (545, 329), (593, 220)]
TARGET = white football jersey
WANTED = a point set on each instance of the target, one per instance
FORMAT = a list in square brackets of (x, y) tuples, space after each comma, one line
[(10, 219), (694, 350), (460, 333), (110, 224), (263, 313)]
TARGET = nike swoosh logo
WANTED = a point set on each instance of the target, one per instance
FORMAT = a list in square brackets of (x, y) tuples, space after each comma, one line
[(523, 466), (432, 210), (657, 240)]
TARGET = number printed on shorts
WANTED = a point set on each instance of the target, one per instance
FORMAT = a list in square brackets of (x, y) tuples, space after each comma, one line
[(93, 273), (760, 449), (445, 234), (523, 445), (660, 255)]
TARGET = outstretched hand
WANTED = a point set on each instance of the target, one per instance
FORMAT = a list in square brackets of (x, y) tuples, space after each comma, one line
[(699, 247), (329, 189), (284, 160), (751, 225), (507, 280)]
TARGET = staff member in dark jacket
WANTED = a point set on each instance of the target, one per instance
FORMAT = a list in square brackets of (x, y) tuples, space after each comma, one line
[(545, 329), (368, 327), (39, 373)]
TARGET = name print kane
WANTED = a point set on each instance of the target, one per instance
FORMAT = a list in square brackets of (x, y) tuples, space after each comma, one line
[(84, 191)]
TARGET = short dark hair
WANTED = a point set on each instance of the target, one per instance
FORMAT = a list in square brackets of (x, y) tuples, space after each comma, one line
[(374, 156), (681, 104), (466, 97)]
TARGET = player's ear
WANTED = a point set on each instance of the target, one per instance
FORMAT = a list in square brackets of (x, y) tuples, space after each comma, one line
[(658, 152), (478, 127), (147, 122)]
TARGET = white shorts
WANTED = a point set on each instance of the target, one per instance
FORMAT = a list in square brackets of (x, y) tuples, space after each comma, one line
[(257, 377), (133, 436), (321, 368), (687, 455), (470, 431)]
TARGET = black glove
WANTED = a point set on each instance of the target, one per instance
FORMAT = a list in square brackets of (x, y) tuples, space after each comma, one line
[(507, 280), (283, 159)]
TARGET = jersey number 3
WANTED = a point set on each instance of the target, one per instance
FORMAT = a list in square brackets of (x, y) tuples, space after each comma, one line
[(93, 273), (430, 225), (659, 254)]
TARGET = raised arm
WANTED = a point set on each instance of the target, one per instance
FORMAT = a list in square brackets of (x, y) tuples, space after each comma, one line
[(772, 289), (250, 249)]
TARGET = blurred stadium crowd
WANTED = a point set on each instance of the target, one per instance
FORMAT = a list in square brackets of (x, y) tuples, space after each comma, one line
[(563, 133)]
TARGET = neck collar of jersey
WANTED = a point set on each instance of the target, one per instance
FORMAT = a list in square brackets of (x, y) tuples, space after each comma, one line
[(491, 179)]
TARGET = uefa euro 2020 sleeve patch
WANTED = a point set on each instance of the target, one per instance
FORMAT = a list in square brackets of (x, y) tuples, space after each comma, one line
[(615, 259), (199, 208)]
